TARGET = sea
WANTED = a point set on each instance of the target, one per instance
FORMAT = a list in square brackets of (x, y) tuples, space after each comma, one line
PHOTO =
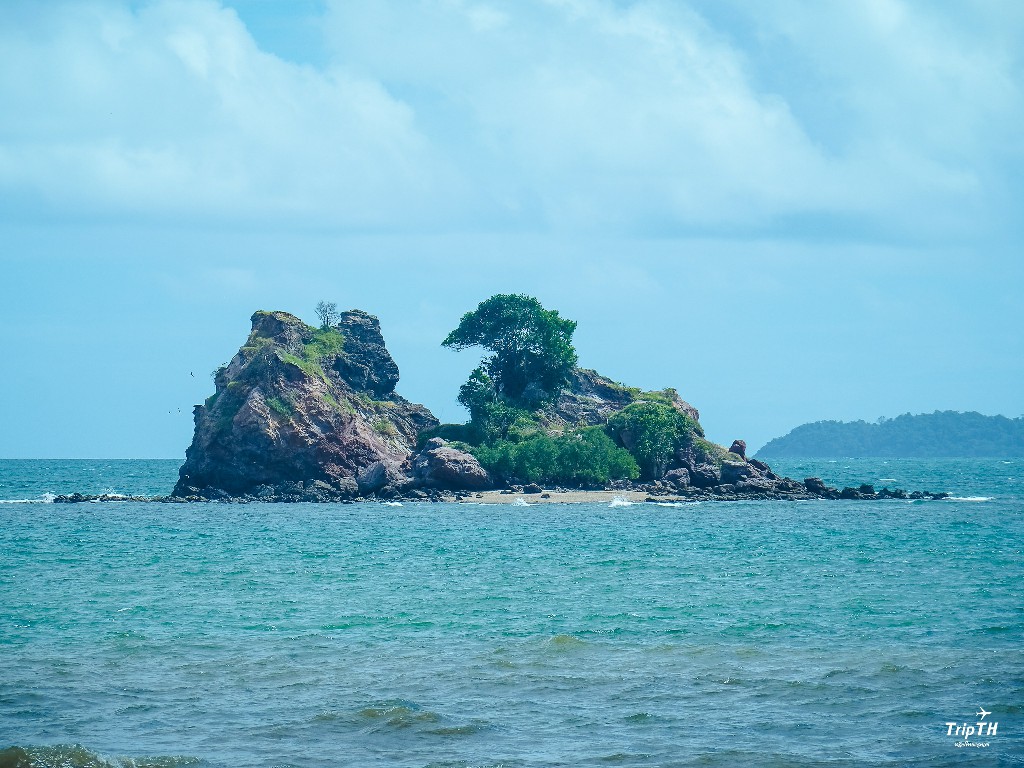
[(813, 633)]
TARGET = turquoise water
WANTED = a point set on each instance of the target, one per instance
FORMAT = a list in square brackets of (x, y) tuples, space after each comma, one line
[(715, 634)]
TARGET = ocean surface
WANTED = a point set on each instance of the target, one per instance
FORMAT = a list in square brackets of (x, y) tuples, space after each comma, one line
[(713, 634)]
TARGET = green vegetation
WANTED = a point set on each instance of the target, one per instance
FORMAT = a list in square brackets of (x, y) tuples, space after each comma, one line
[(531, 361), (586, 457), (710, 453), (652, 432), (327, 313), (280, 407), (384, 427), (326, 342), (532, 352), (926, 435), (665, 396)]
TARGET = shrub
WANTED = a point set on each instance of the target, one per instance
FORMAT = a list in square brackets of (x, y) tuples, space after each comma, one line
[(585, 457), (279, 406), (384, 427), (652, 432), (462, 433), (326, 342)]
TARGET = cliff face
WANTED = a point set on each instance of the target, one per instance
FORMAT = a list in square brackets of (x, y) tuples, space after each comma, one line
[(303, 408)]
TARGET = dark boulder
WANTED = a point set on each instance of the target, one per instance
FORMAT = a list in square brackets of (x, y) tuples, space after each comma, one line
[(734, 471), (380, 476), (442, 466), (705, 476), (739, 447), (678, 478), (815, 485), (755, 485)]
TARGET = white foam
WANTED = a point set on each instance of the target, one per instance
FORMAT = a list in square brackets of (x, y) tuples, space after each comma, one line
[(668, 503), (619, 501), (521, 502), (888, 480), (46, 498), (392, 503), (968, 498)]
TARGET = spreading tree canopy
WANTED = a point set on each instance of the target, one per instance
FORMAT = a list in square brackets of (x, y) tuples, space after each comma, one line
[(532, 352)]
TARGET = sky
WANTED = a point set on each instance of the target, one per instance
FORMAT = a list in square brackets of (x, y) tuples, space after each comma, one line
[(788, 211)]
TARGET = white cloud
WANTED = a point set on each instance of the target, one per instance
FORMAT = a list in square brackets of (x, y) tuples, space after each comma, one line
[(552, 114), (174, 109)]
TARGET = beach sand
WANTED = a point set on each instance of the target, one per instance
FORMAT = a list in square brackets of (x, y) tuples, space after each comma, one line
[(557, 497)]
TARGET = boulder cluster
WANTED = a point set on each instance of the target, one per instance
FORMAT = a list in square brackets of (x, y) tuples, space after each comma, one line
[(751, 479)]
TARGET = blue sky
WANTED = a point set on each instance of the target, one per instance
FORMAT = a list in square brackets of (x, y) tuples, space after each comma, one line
[(788, 211)]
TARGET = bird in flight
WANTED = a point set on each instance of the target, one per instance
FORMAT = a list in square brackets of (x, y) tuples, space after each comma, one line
[(983, 712)]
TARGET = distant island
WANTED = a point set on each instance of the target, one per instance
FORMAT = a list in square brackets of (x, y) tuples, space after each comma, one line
[(927, 435)]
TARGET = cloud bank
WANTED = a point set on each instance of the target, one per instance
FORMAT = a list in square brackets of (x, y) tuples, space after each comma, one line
[(884, 118)]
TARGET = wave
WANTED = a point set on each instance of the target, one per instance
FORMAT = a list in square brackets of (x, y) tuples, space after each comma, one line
[(620, 501), (968, 498), (46, 498), (521, 502), (66, 755)]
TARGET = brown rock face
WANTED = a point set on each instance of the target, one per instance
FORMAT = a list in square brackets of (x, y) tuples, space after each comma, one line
[(300, 404), (591, 399), (739, 447), (439, 465)]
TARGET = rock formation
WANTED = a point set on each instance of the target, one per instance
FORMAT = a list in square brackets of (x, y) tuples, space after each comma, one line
[(311, 414), (303, 412), (591, 399), (441, 466)]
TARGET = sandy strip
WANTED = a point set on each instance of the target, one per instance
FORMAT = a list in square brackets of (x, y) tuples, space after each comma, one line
[(557, 497)]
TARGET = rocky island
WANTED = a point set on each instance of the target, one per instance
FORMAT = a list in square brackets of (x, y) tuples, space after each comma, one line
[(307, 413), (304, 413)]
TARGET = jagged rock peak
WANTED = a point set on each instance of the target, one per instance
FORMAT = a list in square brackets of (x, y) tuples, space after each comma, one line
[(366, 364), (299, 404), (362, 359)]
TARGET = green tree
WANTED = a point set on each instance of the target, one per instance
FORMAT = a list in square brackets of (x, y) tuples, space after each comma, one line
[(327, 313), (532, 352), (652, 432)]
